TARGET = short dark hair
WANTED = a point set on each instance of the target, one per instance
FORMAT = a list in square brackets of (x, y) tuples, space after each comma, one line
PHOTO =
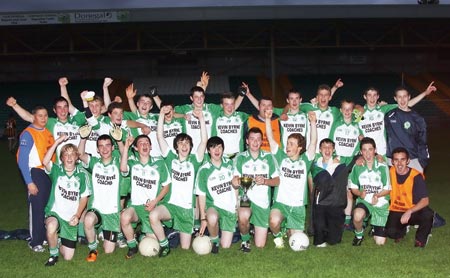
[(323, 87), (371, 89), (196, 89), (37, 108), (167, 103), (253, 130), (326, 141), (293, 91), (301, 141), (139, 137), (137, 98), (214, 141), (182, 137), (400, 150), (104, 137), (114, 105), (401, 88), (59, 99), (227, 95), (367, 140)]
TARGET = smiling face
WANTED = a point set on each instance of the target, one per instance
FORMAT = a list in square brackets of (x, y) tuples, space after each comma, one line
[(402, 98), (264, 105), (228, 106), (40, 117), (69, 156), (96, 107), (116, 116), (198, 99), (292, 148), (105, 148), (323, 98), (347, 110), (61, 110), (326, 149), (368, 152), (371, 96), (400, 160), (294, 100), (143, 146), (216, 153), (144, 105), (254, 141)]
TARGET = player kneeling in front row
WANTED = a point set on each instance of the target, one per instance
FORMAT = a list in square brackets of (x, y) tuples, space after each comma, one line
[(149, 184), (67, 200), (370, 183), (409, 200), (291, 195), (217, 196)]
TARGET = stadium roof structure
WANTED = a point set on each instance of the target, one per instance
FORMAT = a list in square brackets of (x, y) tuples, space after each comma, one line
[(51, 27)]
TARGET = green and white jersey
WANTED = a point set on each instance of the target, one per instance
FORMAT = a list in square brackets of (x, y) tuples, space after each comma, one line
[(69, 128), (372, 181), (296, 123), (346, 138), (151, 120), (102, 127), (231, 129), (192, 127), (171, 130), (106, 178), (182, 173), (325, 120), (146, 179), (67, 190), (264, 165), (293, 188), (215, 183), (373, 125)]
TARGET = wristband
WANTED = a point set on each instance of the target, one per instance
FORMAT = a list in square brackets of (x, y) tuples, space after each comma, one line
[(242, 91)]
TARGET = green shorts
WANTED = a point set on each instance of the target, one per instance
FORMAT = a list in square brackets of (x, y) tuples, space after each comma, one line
[(108, 222), (65, 230), (227, 220), (181, 220), (294, 217), (144, 219), (379, 215), (260, 216), (125, 186)]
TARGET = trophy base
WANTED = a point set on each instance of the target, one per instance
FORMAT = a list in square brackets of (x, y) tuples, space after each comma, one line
[(244, 204)]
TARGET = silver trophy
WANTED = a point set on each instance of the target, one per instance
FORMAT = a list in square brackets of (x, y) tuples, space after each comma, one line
[(246, 183)]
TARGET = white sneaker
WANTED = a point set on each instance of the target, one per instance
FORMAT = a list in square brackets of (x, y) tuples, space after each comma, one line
[(38, 248), (279, 242), (122, 243), (322, 245)]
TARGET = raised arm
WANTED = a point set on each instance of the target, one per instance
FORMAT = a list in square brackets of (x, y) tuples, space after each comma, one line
[(106, 96), (84, 157), (130, 92), (49, 154), (124, 154), (63, 81), (311, 149), (250, 96), (269, 133), (203, 133), (431, 88), (160, 130), (144, 128), (24, 114), (338, 84)]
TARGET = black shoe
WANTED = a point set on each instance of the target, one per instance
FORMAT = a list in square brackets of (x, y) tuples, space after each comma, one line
[(52, 261), (164, 251), (357, 241), (131, 252), (215, 248), (245, 247)]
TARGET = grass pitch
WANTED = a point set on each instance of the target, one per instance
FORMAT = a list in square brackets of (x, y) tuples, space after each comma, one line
[(343, 260)]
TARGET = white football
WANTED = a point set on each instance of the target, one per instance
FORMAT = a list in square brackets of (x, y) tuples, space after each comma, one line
[(202, 245), (149, 247), (299, 241)]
